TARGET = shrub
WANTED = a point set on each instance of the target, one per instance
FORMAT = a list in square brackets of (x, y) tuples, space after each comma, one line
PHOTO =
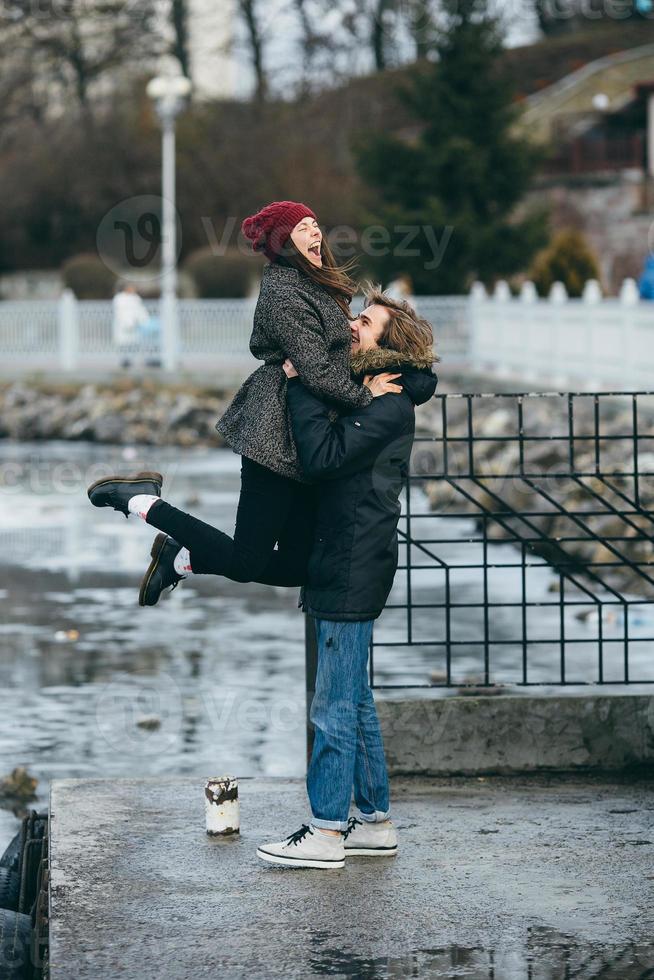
[(88, 276), (567, 259), (229, 276)]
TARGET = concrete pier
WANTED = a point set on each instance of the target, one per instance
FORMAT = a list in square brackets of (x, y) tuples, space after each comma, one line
[(504, 877)]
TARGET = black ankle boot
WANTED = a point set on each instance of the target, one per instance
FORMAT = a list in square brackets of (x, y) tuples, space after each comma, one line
[(161, 570), (115, 491)]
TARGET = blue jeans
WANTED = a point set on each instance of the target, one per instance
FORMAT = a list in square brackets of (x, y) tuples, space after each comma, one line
[(348, 749)]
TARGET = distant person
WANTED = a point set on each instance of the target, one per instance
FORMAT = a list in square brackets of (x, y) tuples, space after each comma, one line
[(129, 315), (150, 340), (400, 288), (646, 281)]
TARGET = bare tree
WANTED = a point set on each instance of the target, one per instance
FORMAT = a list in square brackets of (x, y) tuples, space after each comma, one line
[(380, 31), (311, 39), (79, 42), (250, 14), (421, 24), (180, 47), (369, 25)]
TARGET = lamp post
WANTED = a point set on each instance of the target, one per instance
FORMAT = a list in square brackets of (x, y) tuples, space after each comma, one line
[(169, 94)]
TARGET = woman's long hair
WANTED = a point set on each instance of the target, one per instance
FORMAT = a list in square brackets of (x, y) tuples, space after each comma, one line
[(331, 276)]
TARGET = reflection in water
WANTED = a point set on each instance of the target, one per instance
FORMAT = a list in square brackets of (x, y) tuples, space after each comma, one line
[(217, 668), (546, 955)]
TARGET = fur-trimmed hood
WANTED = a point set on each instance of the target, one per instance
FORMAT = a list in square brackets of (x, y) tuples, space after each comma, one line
[(382, 358), (418, 379)]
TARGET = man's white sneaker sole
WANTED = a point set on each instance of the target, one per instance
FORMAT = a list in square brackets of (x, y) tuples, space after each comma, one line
[(371, 851), (300, 862)]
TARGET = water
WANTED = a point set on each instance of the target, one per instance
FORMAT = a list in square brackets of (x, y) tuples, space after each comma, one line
[(218, 667)]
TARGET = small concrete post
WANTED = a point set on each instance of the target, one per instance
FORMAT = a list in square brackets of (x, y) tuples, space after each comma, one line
[(476, 297), (592, 291), (632, 352), (68, 326), (558, 293), (528, 293), (506, 334), (502, 292), (629, 295), (221, 806)]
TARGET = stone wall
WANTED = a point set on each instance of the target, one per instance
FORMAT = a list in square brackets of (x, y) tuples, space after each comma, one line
[(474, 735), (614, 213)]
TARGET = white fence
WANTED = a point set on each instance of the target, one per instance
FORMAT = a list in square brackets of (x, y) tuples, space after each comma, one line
[(76, 336), (589, 342)]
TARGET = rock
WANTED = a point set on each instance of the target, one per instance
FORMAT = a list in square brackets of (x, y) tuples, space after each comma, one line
[(17, 394), (150, 723), (140, 432), (186, 438), (18, 785), (108, 428), (497, 423)]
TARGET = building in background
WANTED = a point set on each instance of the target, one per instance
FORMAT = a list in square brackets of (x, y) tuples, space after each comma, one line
[(597, 124), (212, 42)]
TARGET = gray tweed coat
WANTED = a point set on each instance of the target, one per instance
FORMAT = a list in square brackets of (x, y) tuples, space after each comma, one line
[(294, 317)]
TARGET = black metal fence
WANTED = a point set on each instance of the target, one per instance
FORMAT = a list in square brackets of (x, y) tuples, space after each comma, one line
[(526, 546)]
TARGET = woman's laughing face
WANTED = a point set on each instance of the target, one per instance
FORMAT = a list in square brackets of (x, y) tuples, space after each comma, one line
[(307, 238)]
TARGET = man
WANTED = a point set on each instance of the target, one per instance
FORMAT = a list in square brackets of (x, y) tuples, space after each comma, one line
[(360, 461)]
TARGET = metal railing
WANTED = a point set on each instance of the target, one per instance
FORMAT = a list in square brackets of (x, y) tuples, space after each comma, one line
[(592, 154), (526, 552)]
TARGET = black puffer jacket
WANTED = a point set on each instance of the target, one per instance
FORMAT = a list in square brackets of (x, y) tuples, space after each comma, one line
[(360, 461), (294, 317)]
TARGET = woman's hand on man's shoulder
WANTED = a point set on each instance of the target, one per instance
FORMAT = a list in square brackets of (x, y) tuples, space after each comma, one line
[(382, 384)]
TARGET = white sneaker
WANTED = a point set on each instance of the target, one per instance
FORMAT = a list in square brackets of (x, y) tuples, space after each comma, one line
[(308, 847), (365, 837)]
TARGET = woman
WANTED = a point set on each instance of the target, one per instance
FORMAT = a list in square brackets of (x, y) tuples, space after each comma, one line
[(302, 313)]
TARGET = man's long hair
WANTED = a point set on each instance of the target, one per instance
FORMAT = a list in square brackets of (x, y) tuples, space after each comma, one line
[(334, 278), (406, 331)]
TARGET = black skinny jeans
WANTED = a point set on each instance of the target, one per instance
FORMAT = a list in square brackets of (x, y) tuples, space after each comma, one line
[(272, 509)]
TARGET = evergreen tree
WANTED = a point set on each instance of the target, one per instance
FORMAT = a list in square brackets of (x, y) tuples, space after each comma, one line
[(462, 175), (568, 259)]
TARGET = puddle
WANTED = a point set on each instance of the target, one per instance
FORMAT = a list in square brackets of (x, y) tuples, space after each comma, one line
[(545, 955)]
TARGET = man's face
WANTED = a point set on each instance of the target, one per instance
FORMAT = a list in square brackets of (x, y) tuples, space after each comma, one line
[(368, 328)]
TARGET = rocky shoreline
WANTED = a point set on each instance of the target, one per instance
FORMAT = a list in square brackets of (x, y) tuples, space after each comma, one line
[(150, 413), (125, 412)]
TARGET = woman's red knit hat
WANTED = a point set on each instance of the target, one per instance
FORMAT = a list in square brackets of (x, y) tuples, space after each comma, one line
[(269, 228)]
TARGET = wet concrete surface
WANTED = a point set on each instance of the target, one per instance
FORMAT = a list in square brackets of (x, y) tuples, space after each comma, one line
[(540, 876)]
